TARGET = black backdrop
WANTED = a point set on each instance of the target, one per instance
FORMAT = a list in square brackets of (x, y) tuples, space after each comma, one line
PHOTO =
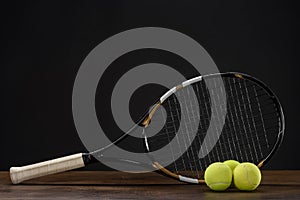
[(44, 43)]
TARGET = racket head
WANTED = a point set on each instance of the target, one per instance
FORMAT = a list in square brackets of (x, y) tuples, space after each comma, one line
[(251, 130)]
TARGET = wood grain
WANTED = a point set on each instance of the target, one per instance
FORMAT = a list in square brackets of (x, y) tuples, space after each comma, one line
[(119, 185)]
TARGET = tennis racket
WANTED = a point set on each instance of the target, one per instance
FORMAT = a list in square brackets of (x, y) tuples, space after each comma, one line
[(206, 119)]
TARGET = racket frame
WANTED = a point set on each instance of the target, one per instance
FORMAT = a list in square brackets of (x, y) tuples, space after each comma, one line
[(146, 120)]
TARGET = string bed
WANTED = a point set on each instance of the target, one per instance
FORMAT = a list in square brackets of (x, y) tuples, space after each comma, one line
[(246, 132)]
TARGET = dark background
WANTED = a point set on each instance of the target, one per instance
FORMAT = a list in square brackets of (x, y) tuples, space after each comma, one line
[(44, 43)]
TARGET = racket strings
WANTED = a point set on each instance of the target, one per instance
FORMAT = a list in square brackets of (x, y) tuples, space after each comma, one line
[(249, 123), (230, 137), (222, 104), (247, 120), (255, 120), (195, 163), (263, 145)]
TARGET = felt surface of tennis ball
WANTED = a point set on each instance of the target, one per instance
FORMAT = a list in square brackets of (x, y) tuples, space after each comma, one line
[(218, 176), (246, 176), (232, 164)]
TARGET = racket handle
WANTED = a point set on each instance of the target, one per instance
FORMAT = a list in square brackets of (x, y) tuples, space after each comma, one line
[(19, 174)]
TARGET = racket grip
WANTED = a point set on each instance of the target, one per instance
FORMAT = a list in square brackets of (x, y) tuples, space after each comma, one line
[(20, 174)]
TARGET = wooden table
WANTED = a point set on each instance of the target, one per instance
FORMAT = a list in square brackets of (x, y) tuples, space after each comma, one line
[(120, 185)]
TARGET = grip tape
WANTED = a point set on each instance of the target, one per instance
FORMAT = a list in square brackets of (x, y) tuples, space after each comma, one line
[(20, 174)]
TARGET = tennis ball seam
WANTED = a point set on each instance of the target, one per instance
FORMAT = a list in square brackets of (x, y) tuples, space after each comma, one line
[(248, 177)]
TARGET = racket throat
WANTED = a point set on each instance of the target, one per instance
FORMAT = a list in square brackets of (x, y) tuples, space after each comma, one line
[(89, 158), (148, 118)]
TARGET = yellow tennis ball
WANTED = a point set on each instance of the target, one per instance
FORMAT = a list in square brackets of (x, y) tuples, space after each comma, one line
[(246, 176), (218, 176), (232, 164)]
